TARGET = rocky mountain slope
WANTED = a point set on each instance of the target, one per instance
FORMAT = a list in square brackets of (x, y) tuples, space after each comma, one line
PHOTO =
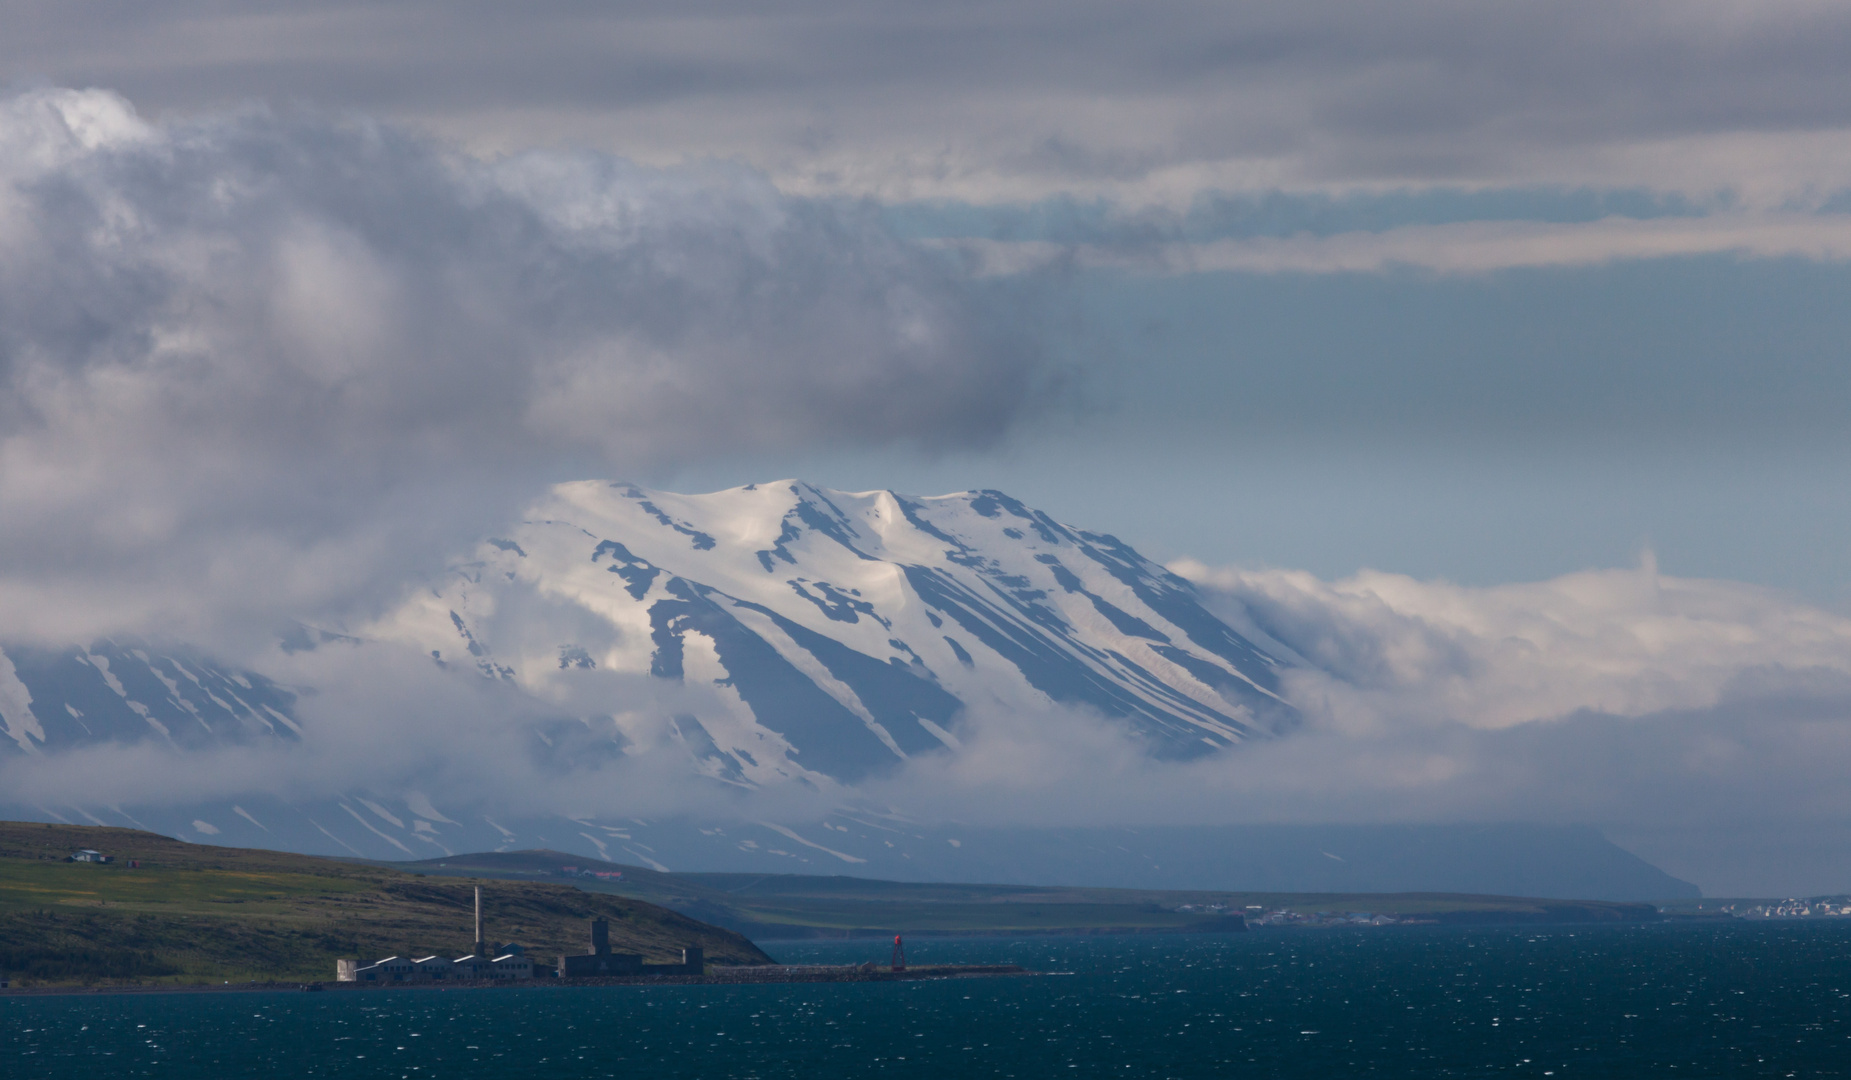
[(841, 633), (109, 691), (770, 636)]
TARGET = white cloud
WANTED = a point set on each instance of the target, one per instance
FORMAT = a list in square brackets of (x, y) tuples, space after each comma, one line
[(385, 722), (1460, 248), (1702, 723), (256, 365), (1382, 650)]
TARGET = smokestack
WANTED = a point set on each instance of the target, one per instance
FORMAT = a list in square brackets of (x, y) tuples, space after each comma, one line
[(481, 944)]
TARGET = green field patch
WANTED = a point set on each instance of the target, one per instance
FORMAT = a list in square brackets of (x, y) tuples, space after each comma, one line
[(31, 884)]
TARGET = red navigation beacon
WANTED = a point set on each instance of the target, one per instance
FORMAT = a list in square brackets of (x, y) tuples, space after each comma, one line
[(899, 954)]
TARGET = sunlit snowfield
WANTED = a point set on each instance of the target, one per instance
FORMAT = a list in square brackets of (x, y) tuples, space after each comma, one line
[(1728, 1000)]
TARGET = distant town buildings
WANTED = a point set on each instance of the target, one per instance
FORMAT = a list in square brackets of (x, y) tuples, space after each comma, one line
[(1288, 917), (1817, 907)]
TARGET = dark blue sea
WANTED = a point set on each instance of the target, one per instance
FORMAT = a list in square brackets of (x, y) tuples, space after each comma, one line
[(1657, 1001)]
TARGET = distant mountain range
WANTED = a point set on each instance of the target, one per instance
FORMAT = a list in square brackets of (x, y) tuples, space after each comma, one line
[(125, 692), (821, 637)]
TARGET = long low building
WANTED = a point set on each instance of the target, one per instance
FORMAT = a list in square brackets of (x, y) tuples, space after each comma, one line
[(510, 965), (510, 962), (501, 962)]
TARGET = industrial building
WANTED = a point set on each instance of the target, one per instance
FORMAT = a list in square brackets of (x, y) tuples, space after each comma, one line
[(601, 961), (483, 963), (511, 962), (510, 965)]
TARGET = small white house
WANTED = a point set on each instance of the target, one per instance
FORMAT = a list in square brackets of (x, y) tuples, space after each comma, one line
[(89, 855)]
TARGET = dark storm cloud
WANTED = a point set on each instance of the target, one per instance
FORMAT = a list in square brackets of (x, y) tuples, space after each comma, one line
[(254, 360), (1016, 98)]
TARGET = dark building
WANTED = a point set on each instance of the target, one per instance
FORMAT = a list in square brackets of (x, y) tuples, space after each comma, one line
[(602, 961)]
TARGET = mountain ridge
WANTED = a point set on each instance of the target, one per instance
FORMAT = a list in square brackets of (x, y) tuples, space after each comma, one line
[(769, 636), (844, 632)]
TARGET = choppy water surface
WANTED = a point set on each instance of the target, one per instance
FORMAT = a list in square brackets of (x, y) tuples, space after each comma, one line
[(1673, 1001)]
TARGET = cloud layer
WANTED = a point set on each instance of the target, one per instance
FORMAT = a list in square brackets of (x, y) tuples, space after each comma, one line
[(1454, 248), (1382, 650), (1020, 99), (1706, 725), (254, 361)]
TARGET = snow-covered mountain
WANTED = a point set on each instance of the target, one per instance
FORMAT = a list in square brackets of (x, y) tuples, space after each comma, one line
[(819, 634), (840, 633), (125, 692), (739, 640)]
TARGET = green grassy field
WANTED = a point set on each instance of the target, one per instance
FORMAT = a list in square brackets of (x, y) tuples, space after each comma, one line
[(767, 907), (193, 913)]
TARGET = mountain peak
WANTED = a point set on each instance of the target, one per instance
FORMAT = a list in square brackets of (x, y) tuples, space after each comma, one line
[(836, 633)]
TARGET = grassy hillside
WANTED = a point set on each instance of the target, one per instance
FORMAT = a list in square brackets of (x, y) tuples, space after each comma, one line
[(193, 913), (781, 906)]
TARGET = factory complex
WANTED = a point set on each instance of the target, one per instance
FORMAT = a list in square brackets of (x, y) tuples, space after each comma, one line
[(502, 962)]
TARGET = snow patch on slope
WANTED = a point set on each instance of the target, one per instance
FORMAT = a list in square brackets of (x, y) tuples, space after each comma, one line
[(837, 634)]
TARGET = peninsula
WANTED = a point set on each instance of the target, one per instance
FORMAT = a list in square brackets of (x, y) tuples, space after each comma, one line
[(123, 909), (167, 912)]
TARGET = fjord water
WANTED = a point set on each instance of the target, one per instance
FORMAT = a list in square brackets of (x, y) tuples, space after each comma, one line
[(1717, 1000)]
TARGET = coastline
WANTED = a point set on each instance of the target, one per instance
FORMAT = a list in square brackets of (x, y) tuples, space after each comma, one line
[(715, 976)]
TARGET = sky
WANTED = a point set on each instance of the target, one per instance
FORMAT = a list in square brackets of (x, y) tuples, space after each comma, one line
[(1482, 297), (1463, 291)]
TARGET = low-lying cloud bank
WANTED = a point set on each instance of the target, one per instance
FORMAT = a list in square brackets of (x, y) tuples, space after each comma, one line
[(256, 364), (1382, 651), (1704, 724)]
